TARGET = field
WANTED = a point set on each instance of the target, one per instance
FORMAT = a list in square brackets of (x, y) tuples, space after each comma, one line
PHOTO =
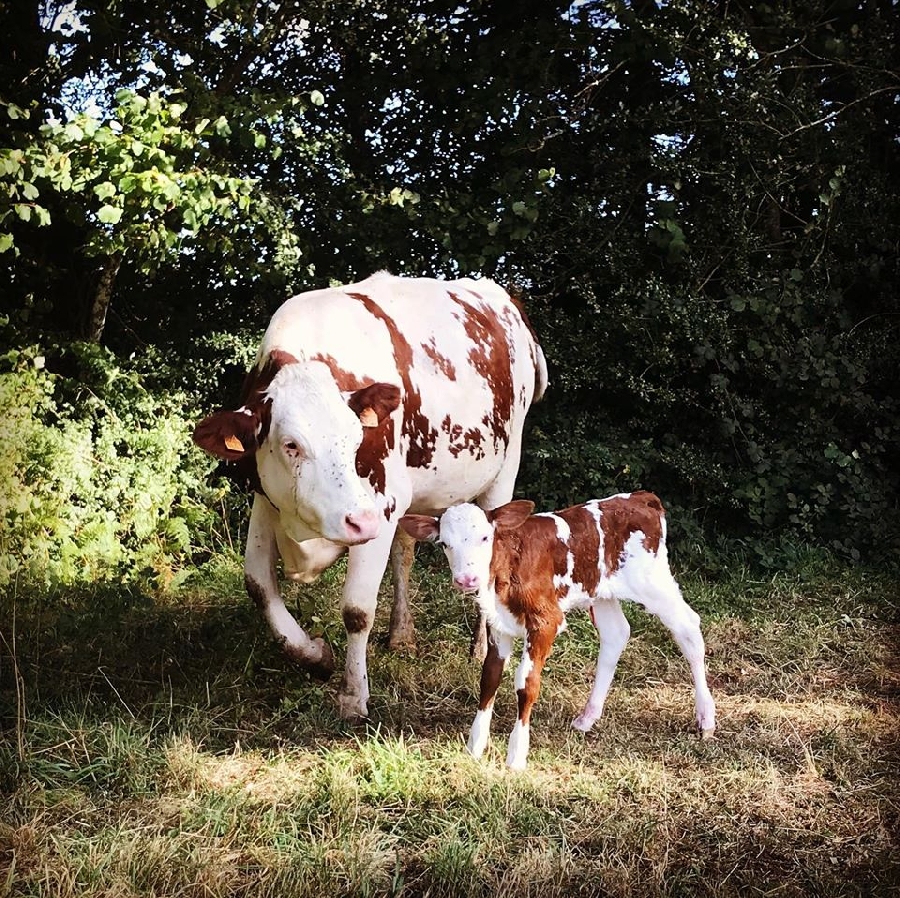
[(158, 745)]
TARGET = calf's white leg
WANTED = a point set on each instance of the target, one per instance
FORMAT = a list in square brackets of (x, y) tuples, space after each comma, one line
[(614, 630), (499, 648), (663, 598)]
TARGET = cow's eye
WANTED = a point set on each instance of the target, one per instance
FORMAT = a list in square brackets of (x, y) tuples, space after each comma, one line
[(484, 539), (292, 448)]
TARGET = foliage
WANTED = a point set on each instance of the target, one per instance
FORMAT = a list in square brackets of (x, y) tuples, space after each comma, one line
[(99, 478), (697, 203)]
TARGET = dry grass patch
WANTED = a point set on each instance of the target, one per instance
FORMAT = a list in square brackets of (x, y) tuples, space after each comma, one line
[(198, 763)]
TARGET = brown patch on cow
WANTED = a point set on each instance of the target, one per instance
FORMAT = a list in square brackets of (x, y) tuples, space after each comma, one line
[(355, 620), (470, 440), (490, 357), (441, 362), (346, 380), (584, 544), (256, 592), (219, 432), (491, 674), (539, 644), (640, 512), (416, 426)]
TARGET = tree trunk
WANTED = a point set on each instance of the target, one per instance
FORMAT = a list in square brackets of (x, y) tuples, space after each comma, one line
[(102, 297)]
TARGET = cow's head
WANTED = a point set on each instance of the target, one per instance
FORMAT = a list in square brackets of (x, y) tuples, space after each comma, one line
[(304, 434)]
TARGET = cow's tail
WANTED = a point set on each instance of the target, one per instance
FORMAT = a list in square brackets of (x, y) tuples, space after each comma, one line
[(540, 373)]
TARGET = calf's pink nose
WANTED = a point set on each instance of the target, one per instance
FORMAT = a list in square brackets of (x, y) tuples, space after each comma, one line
[(466, 581)]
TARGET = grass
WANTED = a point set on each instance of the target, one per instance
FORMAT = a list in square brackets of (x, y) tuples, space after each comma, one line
[(160, 746)]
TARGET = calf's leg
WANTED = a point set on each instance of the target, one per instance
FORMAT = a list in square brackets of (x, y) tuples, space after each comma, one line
[(663, 598), (499, 648), (614, 630), (528, 687)]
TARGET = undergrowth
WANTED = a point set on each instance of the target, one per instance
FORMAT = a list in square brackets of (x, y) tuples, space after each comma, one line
[(159, 744)]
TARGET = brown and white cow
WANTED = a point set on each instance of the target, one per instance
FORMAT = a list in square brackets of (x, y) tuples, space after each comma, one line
[(528, 570), (368, 401)]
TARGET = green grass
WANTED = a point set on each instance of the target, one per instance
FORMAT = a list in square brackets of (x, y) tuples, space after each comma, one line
[(160, 746)]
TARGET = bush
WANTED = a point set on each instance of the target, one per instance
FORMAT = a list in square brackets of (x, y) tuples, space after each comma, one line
[(99, 478)]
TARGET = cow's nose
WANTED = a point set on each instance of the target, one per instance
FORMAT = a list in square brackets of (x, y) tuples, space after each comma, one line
[(361, 526), (466, 582)]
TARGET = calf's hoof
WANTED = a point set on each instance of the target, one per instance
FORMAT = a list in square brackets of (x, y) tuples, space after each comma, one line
[(708, 734)]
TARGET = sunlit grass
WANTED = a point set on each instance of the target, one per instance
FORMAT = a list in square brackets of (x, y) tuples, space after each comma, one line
[(161, 746)]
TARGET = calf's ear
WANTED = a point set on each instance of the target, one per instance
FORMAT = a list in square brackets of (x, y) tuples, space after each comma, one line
[(422, 527), (229, 435), (511, 515), (374, 403)]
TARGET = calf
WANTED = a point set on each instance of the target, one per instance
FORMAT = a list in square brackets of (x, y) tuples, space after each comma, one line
[(527, 570)]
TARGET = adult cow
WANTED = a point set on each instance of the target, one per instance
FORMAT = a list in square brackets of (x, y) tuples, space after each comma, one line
[(369, 401)]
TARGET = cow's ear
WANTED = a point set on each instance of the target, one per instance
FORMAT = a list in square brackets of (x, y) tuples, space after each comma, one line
[(511, 515), (420, 526), (374, 403), (229, 435)]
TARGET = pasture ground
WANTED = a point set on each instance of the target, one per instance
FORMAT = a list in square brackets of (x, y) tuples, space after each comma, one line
[(159, 745)]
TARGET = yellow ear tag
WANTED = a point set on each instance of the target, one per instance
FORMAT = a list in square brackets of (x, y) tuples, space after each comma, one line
[(233, 443), (368, 418)]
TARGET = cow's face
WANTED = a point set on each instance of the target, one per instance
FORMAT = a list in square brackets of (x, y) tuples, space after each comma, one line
[(305, 435)]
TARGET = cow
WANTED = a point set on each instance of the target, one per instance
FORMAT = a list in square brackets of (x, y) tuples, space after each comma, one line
[(528, 570), (367, 401)]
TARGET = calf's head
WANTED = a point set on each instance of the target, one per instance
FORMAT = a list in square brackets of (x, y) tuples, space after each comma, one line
[(466, 534), (304, 434)]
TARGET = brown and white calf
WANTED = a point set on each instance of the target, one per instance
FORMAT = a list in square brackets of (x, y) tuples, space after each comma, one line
[(527, 570), (366, 401)]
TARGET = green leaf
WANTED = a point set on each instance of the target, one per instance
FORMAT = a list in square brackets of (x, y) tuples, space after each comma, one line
[(29, 191), (105, 190), (110, 214), (6, 242), (317, 98)]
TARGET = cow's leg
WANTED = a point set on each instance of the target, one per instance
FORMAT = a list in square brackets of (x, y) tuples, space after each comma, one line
[(262, 585), (662, 597), (365, 568), (528, 687), (614, 630), (499, 649), (402, 632), (303, 562)]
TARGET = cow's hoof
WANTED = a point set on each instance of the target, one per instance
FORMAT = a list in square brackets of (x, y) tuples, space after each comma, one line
[(321, 667), (324, 667), (352, 708), (402, 641)]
